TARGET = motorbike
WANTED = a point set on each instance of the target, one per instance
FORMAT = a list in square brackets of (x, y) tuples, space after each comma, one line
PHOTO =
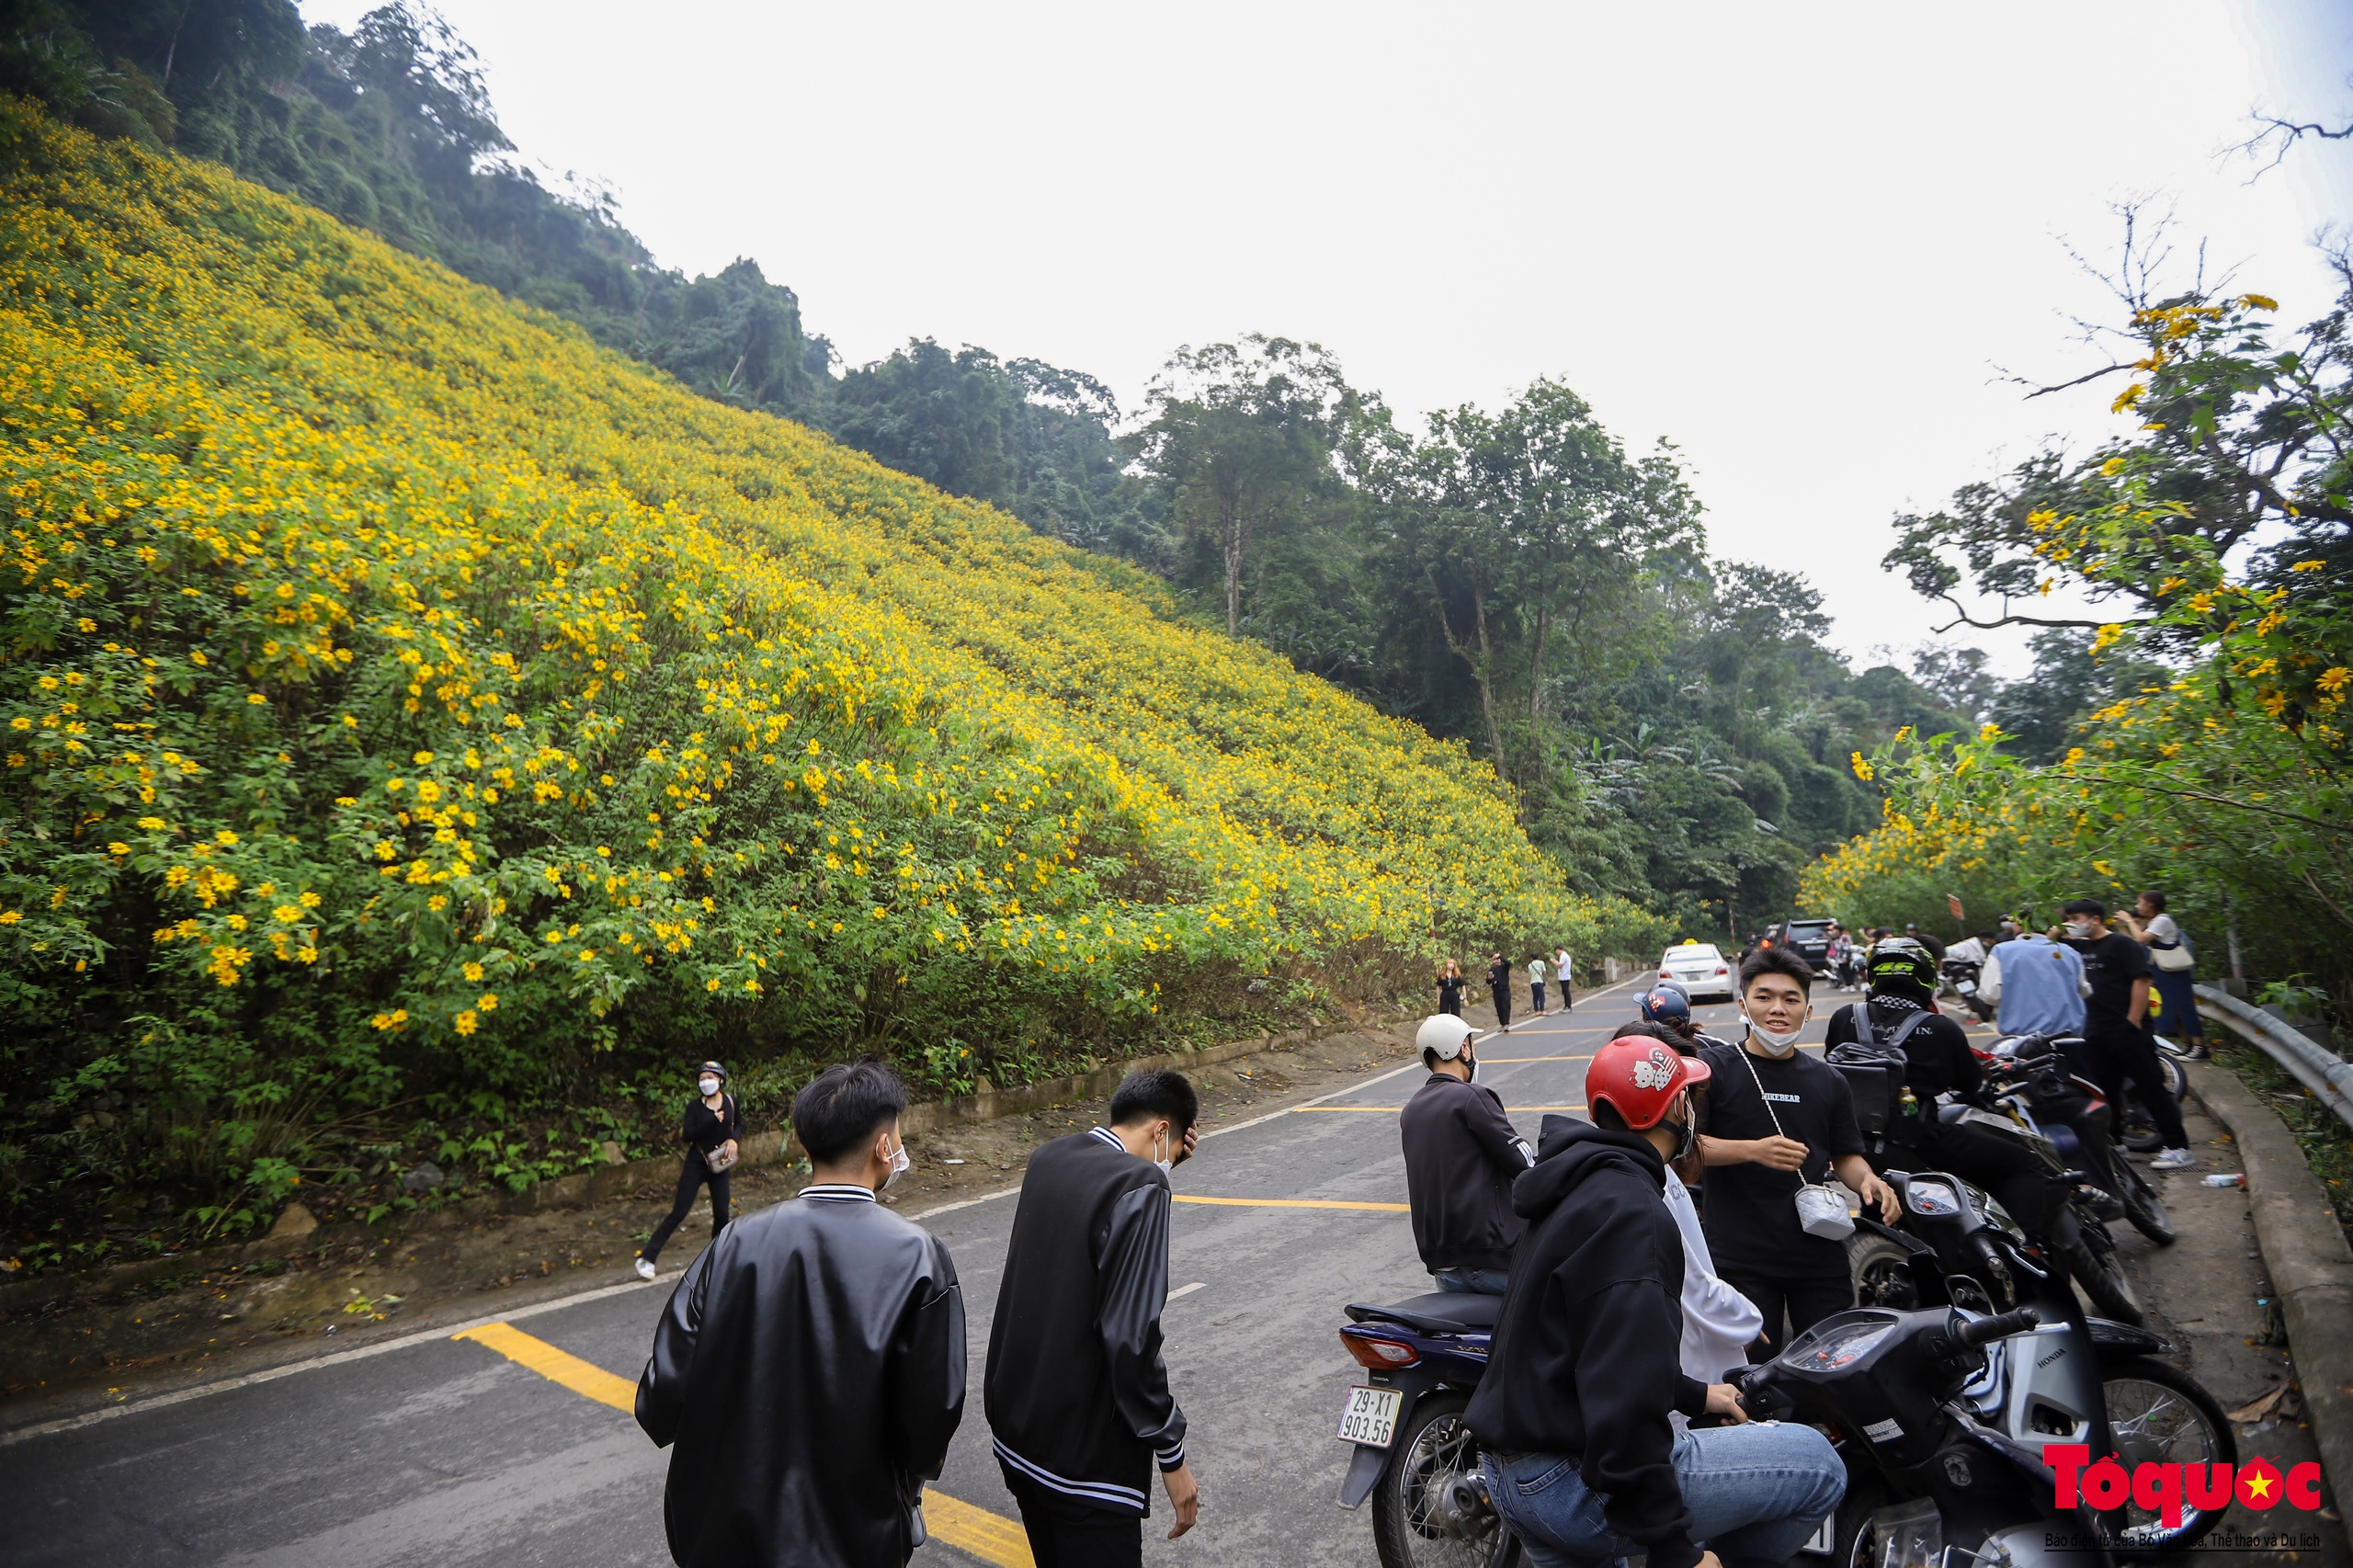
[(1940, 1397), (1413, 1458), (2040, 1080), (1960, 978)]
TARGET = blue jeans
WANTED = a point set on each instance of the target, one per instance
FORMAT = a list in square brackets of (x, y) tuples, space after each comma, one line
[(1474, 1281), (1755, 1494)]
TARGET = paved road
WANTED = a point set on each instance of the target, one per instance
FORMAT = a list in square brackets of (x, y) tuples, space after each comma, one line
[(455, 1452)]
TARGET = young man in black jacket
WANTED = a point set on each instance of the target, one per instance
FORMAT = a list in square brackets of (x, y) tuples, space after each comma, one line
[(1076, 1394), (1581, 1460), (809, 1367), (1462, 1156)]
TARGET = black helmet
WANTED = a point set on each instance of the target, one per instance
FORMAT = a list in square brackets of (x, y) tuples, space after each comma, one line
[(712, 1068), (1899, 964)]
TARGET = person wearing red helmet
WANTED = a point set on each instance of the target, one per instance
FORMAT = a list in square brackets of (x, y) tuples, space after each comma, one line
[(1581, 1460)]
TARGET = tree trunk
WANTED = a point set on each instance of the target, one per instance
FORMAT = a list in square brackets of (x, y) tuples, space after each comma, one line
[(1230, 519), (1486, 687)]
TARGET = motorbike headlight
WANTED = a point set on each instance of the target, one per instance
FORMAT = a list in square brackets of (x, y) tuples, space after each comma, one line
[(1842, 1343), (1932, 1199)]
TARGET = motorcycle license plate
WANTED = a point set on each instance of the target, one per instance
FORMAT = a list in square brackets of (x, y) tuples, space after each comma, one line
[(1370, 1416)]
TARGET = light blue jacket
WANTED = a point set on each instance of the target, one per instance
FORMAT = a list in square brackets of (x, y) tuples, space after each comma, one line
[(2038, 985)]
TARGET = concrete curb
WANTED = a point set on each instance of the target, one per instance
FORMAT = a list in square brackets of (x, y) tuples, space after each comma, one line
[(2305, 1254)]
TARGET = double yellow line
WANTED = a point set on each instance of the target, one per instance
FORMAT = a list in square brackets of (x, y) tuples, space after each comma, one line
[(991, 1538)]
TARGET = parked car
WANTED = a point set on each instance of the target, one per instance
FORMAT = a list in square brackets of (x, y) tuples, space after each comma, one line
[(1811, 938), (1704, 973)]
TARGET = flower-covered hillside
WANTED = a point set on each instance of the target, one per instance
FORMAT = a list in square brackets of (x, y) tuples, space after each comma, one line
[(403, 696)]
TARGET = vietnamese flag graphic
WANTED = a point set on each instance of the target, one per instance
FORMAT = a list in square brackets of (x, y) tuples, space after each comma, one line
[(2260, 1484)]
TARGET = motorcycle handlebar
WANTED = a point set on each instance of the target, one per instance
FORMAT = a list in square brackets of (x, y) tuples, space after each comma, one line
[(1985, 1331)]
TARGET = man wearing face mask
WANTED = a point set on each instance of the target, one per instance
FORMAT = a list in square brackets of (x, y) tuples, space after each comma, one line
[(1778, 1119), (1462, 1156), (2116, 1027), (713, 1131), (1077, 1395), (809, 1367), (1582, 1460)]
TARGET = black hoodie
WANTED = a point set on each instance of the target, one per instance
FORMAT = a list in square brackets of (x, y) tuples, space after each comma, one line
[(1584, 1359)]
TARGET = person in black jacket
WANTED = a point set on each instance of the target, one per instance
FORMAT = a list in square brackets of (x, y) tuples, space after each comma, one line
[(809, 1367), (1077, 1396), (1580, 1458), (1499, 989), (712, 1134), (1462, 1156)]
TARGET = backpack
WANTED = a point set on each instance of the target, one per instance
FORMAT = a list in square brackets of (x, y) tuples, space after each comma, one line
[(1874, 1070)]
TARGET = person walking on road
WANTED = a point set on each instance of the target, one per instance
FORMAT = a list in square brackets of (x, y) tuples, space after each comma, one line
[(1581, 1459), (2173, 964), (1536, 984), (1561, 976), (2037, 987), (1077, 1395), (713, 1134), (809, 1369), (1449, 988), (1462, 1156), (1499, 989), (2116, 1029), (1779, 1120)]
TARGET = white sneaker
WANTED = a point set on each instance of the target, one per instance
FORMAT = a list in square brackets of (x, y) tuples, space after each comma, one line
[(644, 1269), (2174, 1160)]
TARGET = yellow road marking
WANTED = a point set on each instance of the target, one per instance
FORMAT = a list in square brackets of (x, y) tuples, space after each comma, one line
[(1292, 1203), (989, 1537), (1306, 1109), (557, 1366)]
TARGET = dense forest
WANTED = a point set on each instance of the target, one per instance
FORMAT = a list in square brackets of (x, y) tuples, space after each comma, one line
[(1676, 727)]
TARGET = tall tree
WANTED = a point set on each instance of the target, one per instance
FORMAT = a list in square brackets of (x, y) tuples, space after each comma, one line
[(1242, 437)]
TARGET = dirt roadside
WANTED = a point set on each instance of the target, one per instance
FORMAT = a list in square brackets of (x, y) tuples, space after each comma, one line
[(354, 1287)]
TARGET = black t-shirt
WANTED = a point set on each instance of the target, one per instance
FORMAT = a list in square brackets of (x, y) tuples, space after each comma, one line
[(1449, 992), (707, 1129), (2111, 963), (1500, 976), (1935, 1054), (1752, 1214)]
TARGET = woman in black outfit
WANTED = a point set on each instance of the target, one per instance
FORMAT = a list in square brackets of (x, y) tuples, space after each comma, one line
[(1449, 988), (1499, 987), (714, 1126)]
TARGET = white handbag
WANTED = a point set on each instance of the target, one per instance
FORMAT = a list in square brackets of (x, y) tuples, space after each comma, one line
[(1822, 1206)]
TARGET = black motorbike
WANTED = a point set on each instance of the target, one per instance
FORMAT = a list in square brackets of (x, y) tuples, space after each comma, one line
[(1423, 1358), (1941, 1414), (1962, 976), (2043, 1082)]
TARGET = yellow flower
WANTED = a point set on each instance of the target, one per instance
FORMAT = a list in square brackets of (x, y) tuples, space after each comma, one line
[(465, 1022), (225, 838), (257, 699), (1862, 767), (474, 971), (2309, 566), (287, 914), (488, 1002)]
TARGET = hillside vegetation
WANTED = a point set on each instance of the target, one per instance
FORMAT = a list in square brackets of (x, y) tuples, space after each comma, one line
[(419, 720)]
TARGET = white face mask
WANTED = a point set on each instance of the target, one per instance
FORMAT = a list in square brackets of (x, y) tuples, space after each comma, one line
[(2081, 931), (1163, 1160), (1776, 1042), (1474, 1070), (898, 1163), (708, 1087)]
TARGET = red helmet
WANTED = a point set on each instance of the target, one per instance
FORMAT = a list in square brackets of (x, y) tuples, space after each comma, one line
[(1640, 1077)]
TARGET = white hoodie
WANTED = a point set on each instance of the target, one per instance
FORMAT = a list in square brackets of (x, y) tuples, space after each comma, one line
[(1719, 1323)]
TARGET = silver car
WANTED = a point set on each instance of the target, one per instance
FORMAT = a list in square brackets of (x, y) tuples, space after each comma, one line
[(1704, 973)]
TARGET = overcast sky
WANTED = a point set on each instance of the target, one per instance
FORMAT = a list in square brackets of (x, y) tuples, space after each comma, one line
[(1802, 242)]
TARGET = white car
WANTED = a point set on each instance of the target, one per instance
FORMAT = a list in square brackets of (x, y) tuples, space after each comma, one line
[(1704, 973)]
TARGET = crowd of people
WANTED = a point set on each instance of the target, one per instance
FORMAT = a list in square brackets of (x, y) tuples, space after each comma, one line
[(808, 1370)]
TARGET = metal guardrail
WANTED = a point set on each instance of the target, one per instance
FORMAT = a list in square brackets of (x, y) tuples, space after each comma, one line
[(2313, 1065)]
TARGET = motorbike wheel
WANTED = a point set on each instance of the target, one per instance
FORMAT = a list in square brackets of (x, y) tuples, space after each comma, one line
[(1415, 1523), (2163, 1416), (1882, 1273), (2142, 1206), (2102, 1274)]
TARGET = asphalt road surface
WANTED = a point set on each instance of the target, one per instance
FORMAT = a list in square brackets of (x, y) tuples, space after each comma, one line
[(513, 1445)]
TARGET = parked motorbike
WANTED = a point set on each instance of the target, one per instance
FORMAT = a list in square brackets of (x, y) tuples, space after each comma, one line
[(1941, 1414), (2040, 1080), (1414, 1457), (1962, 976)]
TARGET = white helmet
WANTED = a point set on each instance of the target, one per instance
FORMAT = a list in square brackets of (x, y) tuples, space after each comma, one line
[(1444, 1036)]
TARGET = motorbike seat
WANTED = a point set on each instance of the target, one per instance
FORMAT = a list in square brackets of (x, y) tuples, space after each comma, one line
[(1440, 1312)]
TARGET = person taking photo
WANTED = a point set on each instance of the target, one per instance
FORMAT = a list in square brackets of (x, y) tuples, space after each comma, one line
[(1076, 1393), (1462, 1156), (1780, 1121), (809, 1369), (1581, 1459), (2172, 963)]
